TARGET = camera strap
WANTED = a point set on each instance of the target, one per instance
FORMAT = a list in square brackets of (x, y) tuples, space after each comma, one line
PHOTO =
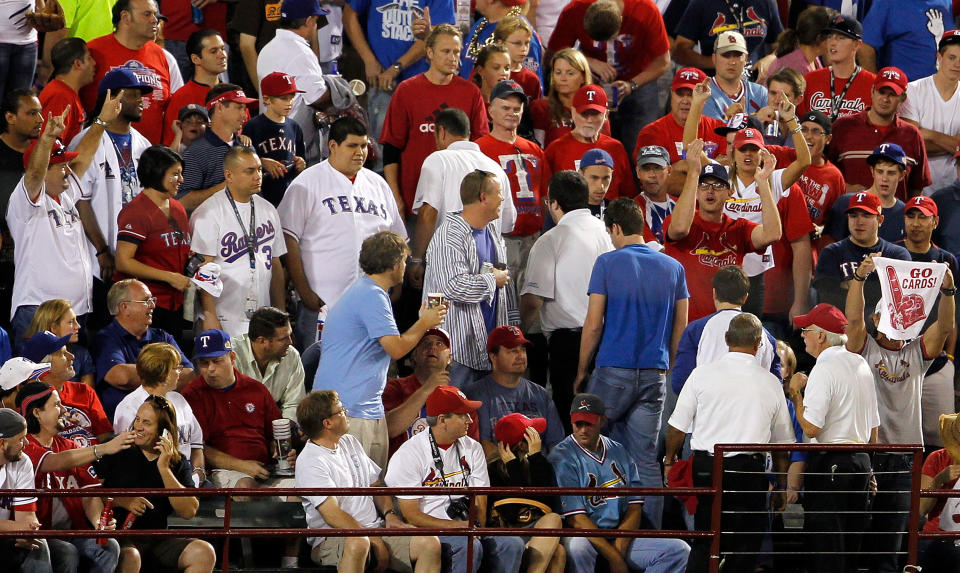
[(438, 460)]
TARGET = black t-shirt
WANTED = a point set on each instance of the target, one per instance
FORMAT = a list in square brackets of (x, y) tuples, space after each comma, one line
[(131, 469), (280, 142), (11, 170), (257, 18)]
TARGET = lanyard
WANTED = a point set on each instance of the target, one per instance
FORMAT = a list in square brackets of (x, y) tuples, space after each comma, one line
[(438, 461), (252, 233), (835, 100)]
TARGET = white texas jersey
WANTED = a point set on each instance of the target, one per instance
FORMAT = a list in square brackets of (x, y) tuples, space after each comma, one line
[(217, 233), (443, 171), (101, 185), (330, 216), (52, 256)]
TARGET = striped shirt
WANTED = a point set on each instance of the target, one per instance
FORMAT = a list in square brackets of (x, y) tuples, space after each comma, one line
[(453, 268), (203, 163)]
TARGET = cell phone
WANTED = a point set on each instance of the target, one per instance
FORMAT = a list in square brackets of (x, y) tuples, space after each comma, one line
[(166, 434)]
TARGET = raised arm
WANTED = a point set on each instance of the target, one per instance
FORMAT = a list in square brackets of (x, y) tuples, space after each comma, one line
[(682, 217), (788, 112), (40, 159), (936, 335), (856, 325), (769, 230)]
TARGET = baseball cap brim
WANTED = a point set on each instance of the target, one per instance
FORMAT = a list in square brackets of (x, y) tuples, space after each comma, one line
[(438, 332), (591, 107), (212, 353), (897, 88), (655, 159), (587, 417), (466, 407), (923, 209), (863, 208), (847, 33)]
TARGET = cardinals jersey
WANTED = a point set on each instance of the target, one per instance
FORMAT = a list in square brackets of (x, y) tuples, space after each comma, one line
[(898, 375), (611, 467)]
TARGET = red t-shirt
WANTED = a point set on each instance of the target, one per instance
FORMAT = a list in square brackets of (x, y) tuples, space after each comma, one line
[(398, 391), (821, 185), (778, 281), (817, 95), (54, 98), (179, 24), (85, 410), (934, 464), (855, 138), (554, 128), (641, 38), (704, 251), (529, 81), (79, 477), (566, 152), (237, 421), (191, 92), (409, 122), (668, 134), (162, 242), (149, 63), (526, 190)]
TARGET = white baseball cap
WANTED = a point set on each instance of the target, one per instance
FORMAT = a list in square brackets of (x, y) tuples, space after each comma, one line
[(18, 370), (730, 42)]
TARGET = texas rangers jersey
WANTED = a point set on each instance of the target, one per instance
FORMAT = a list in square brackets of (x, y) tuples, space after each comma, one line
[(19, 475), (102, 185), (52, 259), (610, 467), (217, 232), (412, 465), (898, 375), (330, 216)]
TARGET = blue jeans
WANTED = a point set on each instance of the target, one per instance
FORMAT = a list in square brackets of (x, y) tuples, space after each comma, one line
[(634, 400), (453, 550), (304, 328), (85, 552), (648, 554), (18, 64), (634, 113), (38, 560), (377, 103), (462, 375), (892, 509)]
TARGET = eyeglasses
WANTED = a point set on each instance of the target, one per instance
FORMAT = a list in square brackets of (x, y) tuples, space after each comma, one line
[(812, 130), (152, 301), (715, 186), (342, 411)]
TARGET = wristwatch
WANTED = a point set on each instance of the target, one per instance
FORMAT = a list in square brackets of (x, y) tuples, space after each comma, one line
[(398, 66), (99, 121)]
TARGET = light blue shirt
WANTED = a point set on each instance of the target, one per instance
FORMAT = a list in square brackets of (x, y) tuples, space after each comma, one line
[(352, 360), (753, 99)]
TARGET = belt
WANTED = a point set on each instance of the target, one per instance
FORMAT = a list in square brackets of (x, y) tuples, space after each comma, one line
[(568, 330), (757, 457)]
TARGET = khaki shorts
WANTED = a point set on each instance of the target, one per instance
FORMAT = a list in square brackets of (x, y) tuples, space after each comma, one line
[(373, 437), (329, 551), (230, 478)]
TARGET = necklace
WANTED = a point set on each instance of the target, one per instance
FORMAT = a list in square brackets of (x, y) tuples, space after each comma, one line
[(473, 50)]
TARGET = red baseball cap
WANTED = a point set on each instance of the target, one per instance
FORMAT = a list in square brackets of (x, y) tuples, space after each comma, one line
[(278, 84), (236, 96), (865, 202), (508, 336), (590, 97), (924, 204), (58, 153), (826, 316), (450, 400), (439, 332), (687, 78), (893, 78), (748, 136), (512, 428)]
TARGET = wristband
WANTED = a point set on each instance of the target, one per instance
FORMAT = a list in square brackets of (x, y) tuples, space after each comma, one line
[(96, 456), (796, 129), (948, 291), (105, 249), (389, 511), (856, 277)]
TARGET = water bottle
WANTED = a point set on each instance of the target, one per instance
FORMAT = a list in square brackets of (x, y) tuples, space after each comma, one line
[(321, 318), (773, 128)]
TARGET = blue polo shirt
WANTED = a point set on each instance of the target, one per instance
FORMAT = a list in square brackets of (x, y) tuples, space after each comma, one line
[(352, 360), (642, 288), (203, 163), (947, 233), (116, 345)]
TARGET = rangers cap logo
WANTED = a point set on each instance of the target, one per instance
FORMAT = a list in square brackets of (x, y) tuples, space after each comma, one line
[(891, 75), (688, 75)]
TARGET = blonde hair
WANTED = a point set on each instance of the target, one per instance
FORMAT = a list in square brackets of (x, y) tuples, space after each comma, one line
[(788, 362), (508, 26), (48, 314), (155, 363), (579, 62)]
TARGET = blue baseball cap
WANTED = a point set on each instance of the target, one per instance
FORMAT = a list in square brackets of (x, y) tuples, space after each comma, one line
[(295, 9), (211, 344), (596, 157), (888, 152), (43, 344), (716, 171), (119, 79)]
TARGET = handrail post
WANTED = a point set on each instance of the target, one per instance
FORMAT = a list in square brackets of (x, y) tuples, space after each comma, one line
[(914, 520), (717, 509), (471, 519), (228, 538)]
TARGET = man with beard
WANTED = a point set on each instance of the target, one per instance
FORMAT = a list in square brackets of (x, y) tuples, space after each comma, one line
[(62, 464), (589, 112), (112, 181), (19, 513), (854, 136), (266, 353)]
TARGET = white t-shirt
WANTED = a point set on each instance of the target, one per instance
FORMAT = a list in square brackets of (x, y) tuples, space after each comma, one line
[(733, 388), (52, 256), (925, 106), (559, 268), (330, 217), (188, 428), (346, 466), (899, 378), (443, 171), (16, 475), (13, 26), (412, 465), (330, 37), (713, 343), (217, 233), (841, 398), (747, 205), (102, 186)]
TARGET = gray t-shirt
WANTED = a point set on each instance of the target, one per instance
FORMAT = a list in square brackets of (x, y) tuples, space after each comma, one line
[(898, 375)]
